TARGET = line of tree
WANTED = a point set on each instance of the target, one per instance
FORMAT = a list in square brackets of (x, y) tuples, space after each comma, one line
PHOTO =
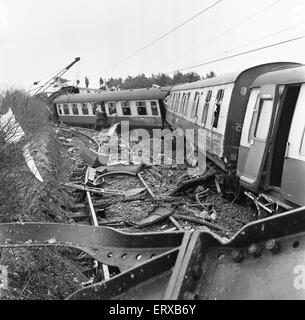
[(160, 79)]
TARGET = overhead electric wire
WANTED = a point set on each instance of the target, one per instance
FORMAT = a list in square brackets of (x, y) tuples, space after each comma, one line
[(250, 43), (163, 36), (227, 30), (240, 54)]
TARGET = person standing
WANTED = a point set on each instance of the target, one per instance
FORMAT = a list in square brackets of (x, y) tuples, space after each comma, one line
[(101, 119)]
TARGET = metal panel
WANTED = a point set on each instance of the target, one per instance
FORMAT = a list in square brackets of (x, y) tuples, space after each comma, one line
[(257, 155), (265, 260), (293, 182)]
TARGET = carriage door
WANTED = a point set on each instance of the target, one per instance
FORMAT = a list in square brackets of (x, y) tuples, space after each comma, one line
[(259, 134)]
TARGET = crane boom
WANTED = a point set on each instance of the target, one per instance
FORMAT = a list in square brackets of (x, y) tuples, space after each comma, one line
[(59, 74)]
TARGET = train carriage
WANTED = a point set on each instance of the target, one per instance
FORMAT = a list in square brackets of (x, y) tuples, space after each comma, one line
[(141, 107), (218, 106), (272, 148)]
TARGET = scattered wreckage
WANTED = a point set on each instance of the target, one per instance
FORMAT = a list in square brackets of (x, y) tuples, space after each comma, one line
[(180, 262)]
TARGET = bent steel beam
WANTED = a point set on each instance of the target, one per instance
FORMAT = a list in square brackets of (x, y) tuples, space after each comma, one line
[(104, 244), (264, 260)]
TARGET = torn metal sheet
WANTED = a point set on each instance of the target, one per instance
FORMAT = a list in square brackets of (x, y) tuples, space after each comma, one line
[(184, 186), (130, 285)]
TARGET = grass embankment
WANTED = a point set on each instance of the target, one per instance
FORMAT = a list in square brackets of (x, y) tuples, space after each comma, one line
[(36, 273)]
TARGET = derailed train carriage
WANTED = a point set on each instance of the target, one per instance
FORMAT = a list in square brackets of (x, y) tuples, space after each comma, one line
[(253, 126), (141, 107)]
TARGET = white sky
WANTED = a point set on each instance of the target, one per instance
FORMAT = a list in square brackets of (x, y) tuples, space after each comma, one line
[(38, 37)]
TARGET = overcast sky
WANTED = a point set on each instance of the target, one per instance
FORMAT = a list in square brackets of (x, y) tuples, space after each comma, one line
[(39, 37)]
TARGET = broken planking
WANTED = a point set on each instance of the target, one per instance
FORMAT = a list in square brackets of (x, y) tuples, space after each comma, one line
[(156, 216), (128, 193)]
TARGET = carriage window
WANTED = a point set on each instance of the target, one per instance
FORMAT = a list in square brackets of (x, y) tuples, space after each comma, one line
[(94, 107), (125, 104), (208, 96), (195, 105), (141, 108), (182, 103), (140, 104), (154, 108), (216, 115), (219, 98), (173, 102), (112, 108), (126, 111), (59, 109), (66, 109), (100, 106), (205, 113), (220, 95), (177, 102), (186, 104), (85, 109), (75, 109), (142, 111), (263, 119)]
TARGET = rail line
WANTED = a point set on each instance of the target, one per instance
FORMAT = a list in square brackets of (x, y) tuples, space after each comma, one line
[(88, 194)]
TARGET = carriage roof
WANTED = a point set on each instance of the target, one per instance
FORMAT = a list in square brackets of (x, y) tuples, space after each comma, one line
[(125, 95), (218, 80), (284, 76), (229, 77)]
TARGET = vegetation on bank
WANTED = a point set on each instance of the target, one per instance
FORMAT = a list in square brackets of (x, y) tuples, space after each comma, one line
[(33, 273), (17, 108)]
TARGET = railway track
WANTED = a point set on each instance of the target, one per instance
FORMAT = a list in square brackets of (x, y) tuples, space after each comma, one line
[(93, 216)]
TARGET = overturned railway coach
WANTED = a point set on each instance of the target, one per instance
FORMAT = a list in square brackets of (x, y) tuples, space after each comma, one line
[(141, 107)]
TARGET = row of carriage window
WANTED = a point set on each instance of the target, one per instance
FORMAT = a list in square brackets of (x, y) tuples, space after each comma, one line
[(179, 104), (143, 108)]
